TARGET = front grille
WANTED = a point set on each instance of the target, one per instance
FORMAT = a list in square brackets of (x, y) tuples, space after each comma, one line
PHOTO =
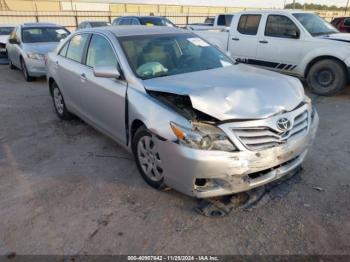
[(258, 138)]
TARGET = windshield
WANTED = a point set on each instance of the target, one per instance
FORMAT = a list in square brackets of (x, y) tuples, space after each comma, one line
[(99, 24), (44, 34), (6, 30), (152, 56), (160, 21), (315, 25)]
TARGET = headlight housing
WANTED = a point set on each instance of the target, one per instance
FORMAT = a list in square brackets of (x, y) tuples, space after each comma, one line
[(203, 137), (36, 56)]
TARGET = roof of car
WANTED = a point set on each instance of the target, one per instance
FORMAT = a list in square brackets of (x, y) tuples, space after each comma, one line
[(142, 16), (275, 11), (7, 25), (40, 25), (133, 30)]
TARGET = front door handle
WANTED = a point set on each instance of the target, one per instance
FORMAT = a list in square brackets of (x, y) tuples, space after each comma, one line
[(235, 39), (264, 42)]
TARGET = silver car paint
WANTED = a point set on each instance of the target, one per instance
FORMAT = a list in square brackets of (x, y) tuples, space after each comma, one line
[(183, 165), (212, 92), (36, 68)]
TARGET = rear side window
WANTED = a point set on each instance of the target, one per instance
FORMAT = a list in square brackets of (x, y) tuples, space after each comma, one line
[(100, 53), (125, 21), (225, 20), (76, 47), (281, 26), (249, 24)]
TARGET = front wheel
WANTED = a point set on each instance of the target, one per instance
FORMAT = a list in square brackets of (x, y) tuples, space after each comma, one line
[(26, 75), (147, 158), (326, 77)]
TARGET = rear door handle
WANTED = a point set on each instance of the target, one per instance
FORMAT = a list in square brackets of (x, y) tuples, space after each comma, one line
[(235, 39), (83, 77), (264, 42)]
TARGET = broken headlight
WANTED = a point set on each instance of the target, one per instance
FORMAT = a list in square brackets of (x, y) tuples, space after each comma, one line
[(203, 136)]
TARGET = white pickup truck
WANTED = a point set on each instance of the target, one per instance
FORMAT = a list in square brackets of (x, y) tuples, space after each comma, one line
[(294, 42), (218, 22)]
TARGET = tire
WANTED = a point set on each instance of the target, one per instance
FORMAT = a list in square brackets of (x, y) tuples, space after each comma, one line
[(26, 75), (59, 104), (148, 159), (326, 77), (12, 67)]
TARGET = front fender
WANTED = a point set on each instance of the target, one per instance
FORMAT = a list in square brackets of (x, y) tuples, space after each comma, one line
[(154, 114), (341, 53)]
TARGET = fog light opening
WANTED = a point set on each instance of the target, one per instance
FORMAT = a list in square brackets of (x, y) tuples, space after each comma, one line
[(201, 182)]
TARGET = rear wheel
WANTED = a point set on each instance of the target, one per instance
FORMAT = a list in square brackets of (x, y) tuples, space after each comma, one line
[(147, 158), (26, 75), (59, 104), (326, 77)]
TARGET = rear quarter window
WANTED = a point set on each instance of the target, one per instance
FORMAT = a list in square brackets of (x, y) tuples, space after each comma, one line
[(249, 24)]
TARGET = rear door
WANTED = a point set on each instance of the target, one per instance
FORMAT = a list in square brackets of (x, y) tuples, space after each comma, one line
[(104, 98), (243, 39), (71, 71), (280, 45)]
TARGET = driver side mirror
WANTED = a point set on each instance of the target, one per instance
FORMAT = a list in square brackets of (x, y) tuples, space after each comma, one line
[(292, 33), (13, 41), (107, 72)]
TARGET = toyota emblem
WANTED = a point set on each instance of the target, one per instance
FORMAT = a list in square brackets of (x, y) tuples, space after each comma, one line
[(284, 124)]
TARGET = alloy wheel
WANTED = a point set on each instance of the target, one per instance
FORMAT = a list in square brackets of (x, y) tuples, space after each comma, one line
[(149, 159)]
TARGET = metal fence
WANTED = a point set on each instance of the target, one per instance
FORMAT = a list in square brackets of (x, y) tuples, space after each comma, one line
[(71, 19)]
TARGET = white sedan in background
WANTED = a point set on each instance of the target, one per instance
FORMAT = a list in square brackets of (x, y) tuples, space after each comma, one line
[(5, 31)]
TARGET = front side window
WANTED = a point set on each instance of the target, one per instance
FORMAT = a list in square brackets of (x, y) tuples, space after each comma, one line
[(281, 26), (76, 47), (6, 30), (249, 24), (100, 53), (44, 34), (347, 22), (152, 56), (314, 24)]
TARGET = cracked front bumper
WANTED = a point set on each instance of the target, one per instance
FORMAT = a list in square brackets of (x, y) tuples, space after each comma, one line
[(204, 174)]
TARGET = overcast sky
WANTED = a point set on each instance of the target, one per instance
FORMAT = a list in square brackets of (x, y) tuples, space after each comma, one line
[(239, 3)]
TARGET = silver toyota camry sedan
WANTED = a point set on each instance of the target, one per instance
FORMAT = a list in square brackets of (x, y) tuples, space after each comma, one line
[(193, 119), (28, 45)]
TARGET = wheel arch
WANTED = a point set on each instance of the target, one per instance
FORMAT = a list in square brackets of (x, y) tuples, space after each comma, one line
[(135, 125), (51, 81), (320, 58)]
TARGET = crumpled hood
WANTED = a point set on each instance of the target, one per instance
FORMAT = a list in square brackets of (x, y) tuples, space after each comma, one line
[(342, 37), (234, 92), (41, 48)]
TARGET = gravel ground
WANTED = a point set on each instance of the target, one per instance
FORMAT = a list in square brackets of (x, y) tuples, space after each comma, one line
[(67, 189)]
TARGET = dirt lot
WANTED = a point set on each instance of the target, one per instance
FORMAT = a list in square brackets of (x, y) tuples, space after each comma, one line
[(67, 189)]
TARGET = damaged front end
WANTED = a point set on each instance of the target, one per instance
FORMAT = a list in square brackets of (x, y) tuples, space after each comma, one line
[(217, 158)]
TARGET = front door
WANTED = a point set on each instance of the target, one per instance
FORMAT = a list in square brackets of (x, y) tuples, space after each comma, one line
[(104, 98), (280, 47)]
